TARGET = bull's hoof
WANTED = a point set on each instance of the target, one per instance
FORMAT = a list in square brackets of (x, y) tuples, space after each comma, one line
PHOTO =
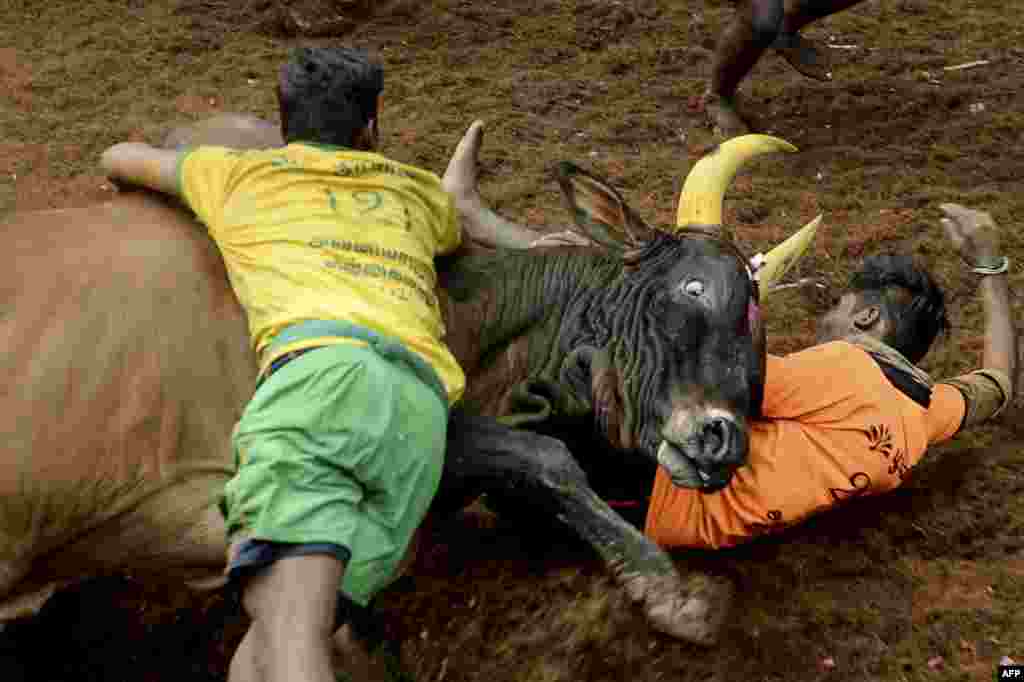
[(693, 613)]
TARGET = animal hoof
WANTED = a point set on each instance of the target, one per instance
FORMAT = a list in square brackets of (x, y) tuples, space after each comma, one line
[(695, 613)]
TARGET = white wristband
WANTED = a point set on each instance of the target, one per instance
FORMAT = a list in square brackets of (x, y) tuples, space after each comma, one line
[(1003, 266)]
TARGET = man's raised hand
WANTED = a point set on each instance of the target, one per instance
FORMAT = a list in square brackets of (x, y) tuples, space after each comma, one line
[(973, 233)]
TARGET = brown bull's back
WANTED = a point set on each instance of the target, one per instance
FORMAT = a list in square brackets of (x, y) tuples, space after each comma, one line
[(125, 364)]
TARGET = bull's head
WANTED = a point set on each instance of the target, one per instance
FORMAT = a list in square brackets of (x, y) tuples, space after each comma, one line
[(678, 370)]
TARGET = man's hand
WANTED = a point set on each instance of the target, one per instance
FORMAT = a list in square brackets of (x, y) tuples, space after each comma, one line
[(973, 234), (136, 163)]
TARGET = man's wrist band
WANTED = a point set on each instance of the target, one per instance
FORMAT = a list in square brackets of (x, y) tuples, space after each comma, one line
[(1003, 266)]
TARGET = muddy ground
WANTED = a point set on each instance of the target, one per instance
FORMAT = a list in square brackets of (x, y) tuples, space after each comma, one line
[(924, 584)]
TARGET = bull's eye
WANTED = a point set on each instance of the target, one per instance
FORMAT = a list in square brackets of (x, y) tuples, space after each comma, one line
[(694, 287)]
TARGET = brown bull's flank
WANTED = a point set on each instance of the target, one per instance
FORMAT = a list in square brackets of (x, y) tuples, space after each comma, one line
[(110, 460)]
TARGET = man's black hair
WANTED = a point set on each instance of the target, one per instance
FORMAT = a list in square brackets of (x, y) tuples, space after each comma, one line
[(909, 299), (328, 94)]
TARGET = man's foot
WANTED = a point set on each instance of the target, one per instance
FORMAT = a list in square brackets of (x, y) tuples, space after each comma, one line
[(804, 55), (724, 117), (460, 177)]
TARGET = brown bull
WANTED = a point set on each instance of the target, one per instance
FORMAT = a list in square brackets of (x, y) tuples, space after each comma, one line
[(127, 364)]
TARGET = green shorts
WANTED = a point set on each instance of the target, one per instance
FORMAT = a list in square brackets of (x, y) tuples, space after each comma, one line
[(338, 448)]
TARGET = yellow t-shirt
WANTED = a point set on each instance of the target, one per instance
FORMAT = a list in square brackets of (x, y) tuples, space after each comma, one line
[(833, 428), (310, 232)]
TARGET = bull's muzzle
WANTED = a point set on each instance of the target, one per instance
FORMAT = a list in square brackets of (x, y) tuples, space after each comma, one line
[(703, 452)]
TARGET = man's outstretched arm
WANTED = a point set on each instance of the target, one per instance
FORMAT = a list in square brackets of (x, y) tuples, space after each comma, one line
[(137, 163), (975, 236)]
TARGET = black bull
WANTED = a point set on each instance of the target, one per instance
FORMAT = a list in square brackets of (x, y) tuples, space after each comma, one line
[(126, 363)]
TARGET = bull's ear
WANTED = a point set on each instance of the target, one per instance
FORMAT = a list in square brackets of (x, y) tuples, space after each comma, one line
[(599, 213)]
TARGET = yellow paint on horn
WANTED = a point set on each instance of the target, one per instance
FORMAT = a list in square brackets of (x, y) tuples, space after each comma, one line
[(781, 258), (700, 202)]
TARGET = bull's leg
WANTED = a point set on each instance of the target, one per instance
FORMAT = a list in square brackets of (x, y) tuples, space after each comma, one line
[(486, 456)]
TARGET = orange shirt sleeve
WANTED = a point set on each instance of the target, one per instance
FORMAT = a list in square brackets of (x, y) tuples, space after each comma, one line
[(945, 414)]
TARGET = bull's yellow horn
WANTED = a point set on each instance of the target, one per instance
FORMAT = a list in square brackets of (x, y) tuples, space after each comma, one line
[(780, 259), (700, 202)]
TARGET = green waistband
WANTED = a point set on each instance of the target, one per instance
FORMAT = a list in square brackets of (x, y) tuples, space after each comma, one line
[(387, 347)]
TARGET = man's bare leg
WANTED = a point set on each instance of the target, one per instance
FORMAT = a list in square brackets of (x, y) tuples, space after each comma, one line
[(292, 606), (246, 665), (482, 225), (799, 13), (754, 28)]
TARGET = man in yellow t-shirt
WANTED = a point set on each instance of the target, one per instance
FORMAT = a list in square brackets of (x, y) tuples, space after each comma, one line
[(845, 418), (330, 249)]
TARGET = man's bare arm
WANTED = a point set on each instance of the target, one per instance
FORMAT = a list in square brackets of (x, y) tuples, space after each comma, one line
[(1000, 339), (137, 163), (975, 236)]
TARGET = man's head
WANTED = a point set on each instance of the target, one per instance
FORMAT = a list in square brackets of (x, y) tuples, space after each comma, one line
[(893, 300), (330, 95)]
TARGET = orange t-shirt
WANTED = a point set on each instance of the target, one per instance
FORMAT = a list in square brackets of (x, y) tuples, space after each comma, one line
[(833, 428)]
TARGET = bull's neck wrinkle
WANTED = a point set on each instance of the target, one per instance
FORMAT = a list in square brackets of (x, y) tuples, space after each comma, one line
[(535, 291)]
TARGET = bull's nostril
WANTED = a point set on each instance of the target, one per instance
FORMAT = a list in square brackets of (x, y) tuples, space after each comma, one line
[(716, 438)]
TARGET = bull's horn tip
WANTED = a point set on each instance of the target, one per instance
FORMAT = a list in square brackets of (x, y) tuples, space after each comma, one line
[(769, 141)]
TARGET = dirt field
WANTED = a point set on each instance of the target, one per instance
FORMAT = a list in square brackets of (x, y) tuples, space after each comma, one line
[(925, 584)]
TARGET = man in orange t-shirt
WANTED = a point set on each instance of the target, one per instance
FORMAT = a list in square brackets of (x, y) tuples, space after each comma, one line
[(845, 418), (852, 415)]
